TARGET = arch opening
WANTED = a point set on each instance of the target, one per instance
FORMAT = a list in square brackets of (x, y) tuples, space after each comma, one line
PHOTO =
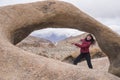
[(56, 43)]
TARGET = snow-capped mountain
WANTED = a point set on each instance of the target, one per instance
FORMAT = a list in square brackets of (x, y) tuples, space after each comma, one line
[(56, 34)]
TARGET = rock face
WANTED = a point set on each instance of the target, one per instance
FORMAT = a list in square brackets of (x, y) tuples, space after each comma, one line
[(99, 64), (18, 21)]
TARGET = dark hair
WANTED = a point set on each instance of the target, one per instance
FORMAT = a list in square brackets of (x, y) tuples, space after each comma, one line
[(92, 39)]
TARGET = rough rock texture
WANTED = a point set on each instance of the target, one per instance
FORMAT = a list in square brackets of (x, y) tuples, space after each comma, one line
[(16, 22), (99, 64)]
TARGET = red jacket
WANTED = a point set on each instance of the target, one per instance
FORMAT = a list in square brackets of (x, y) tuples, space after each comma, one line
[(84, 46)]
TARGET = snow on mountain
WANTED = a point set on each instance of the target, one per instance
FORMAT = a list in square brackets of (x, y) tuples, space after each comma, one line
[(56, 34)]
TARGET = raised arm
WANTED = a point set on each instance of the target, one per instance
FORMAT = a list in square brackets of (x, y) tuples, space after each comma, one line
[(82, 45)]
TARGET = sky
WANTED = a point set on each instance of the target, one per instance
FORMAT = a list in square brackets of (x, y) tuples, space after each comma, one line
[(105, 11)]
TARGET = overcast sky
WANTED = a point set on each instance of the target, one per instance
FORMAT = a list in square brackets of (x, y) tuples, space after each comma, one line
[(105, 11)]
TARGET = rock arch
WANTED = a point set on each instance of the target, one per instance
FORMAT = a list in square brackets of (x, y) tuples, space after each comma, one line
[(18, 21)]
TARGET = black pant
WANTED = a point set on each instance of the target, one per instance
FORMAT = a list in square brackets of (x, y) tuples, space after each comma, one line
[(86, 56)]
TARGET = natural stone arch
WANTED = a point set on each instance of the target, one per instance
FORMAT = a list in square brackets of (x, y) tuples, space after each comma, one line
[(19, 21)]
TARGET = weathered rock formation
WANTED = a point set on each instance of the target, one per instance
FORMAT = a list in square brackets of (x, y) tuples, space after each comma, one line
[(18, 21), (99, 64)]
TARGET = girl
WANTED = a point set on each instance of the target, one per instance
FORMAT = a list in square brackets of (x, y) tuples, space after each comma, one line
[(89, 40)]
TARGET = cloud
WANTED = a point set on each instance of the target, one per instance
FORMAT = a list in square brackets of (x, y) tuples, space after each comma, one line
[(98, 8), (113, 23), (115, 28), (11, 2), (105, 11), (59, 31)]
